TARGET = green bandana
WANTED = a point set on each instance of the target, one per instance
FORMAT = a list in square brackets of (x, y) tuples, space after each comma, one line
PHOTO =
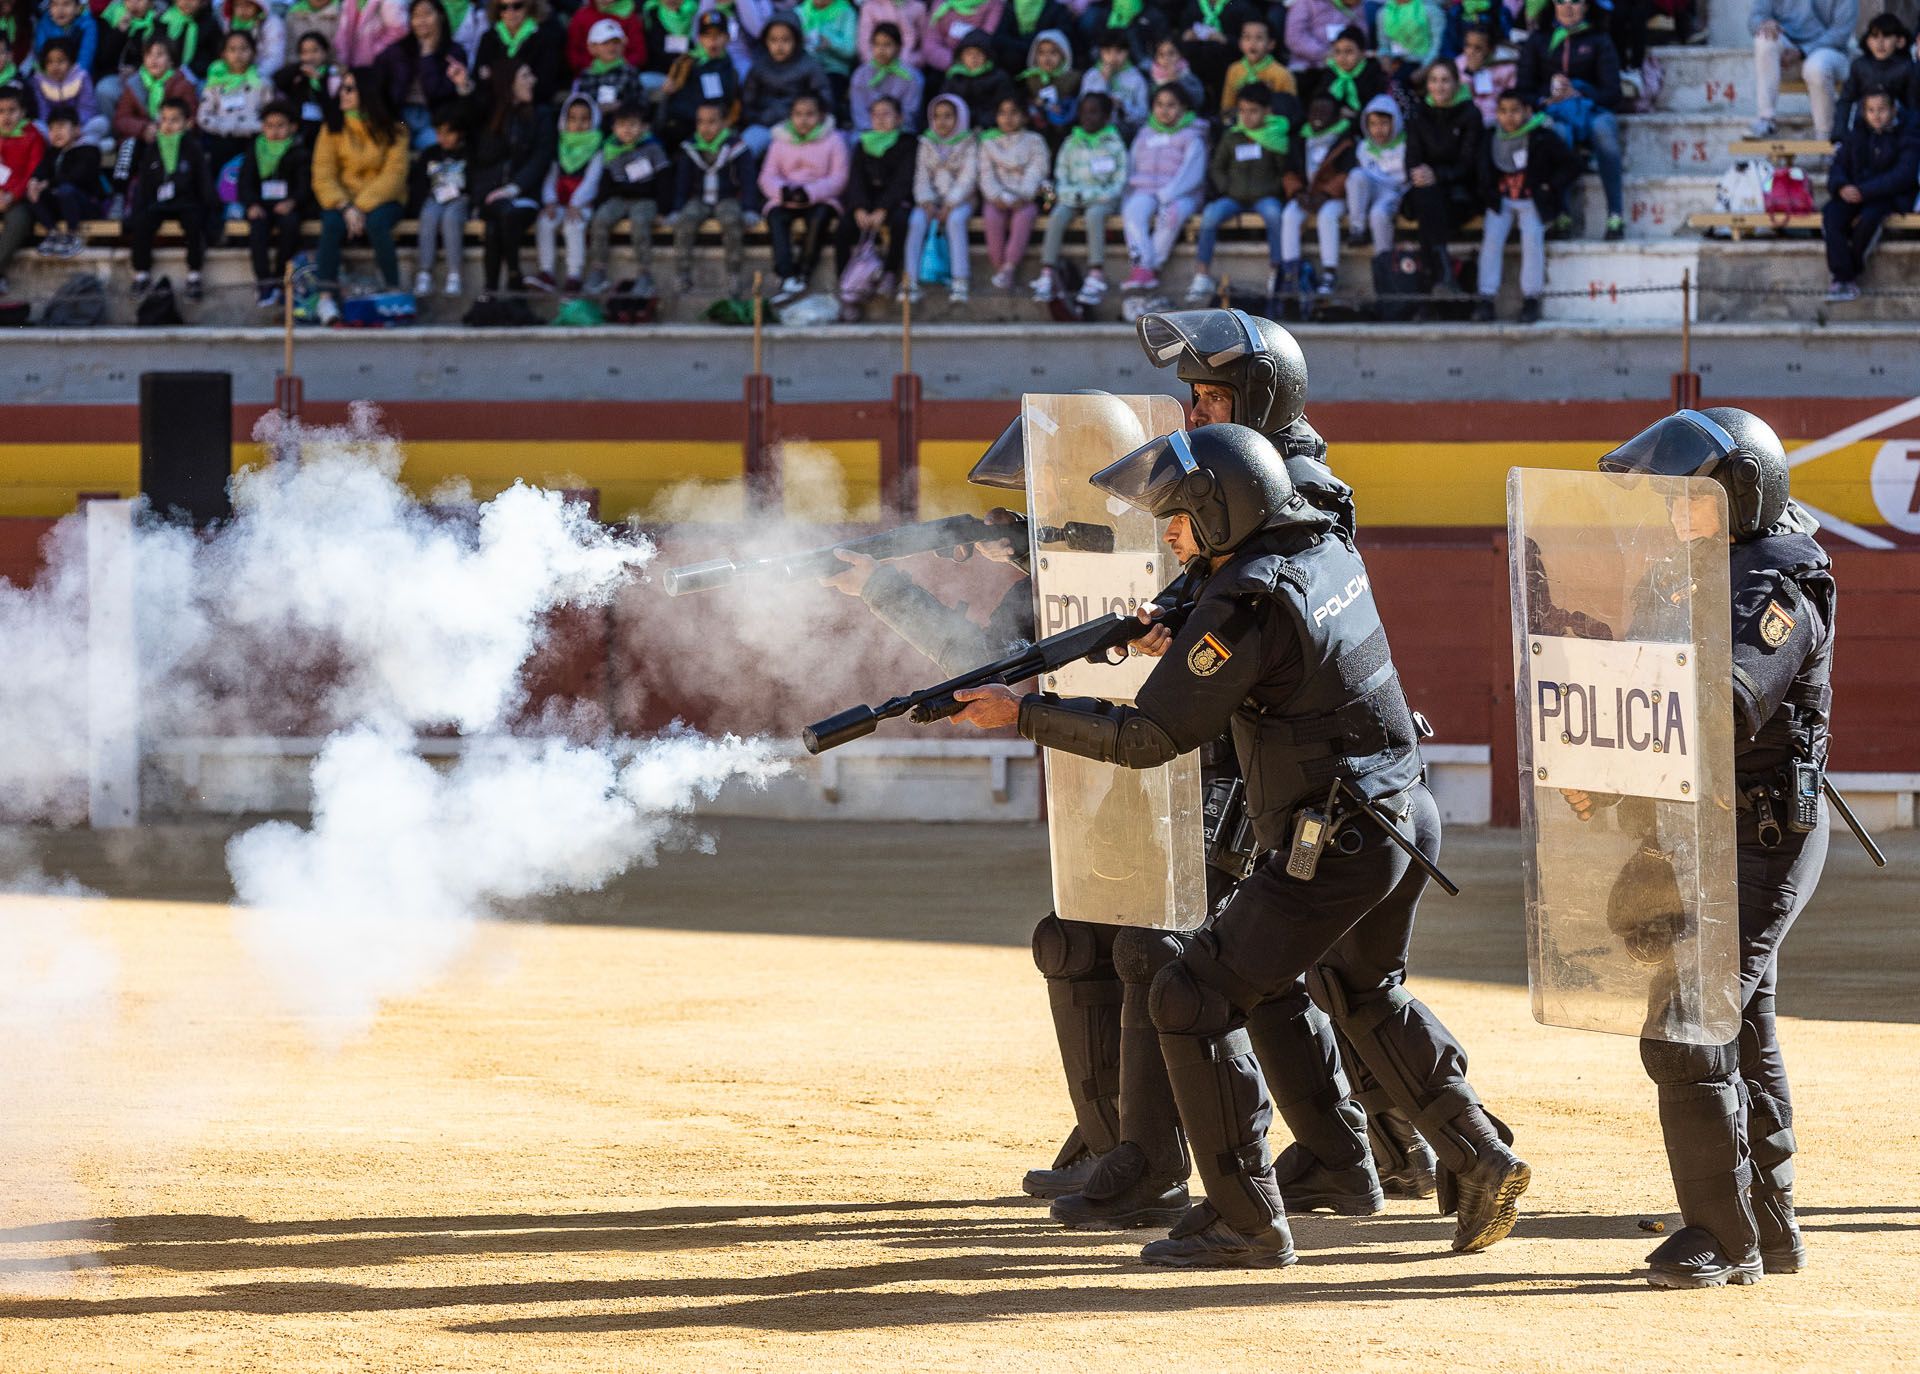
[(1153, 123), (1537, 122), (1210, 14), (799, 137), (1475, 9), (136, 28), (183, 33), (1344, 87), (1332, 131), (957, 70), (1405, 25), (221, 77), (1561, 35), (303, 7), (1124, 12), (1378, 148), (957, 137), (602, 65), (513, 42), (1026, 13), (457, 12), (676, 21), (577, 148), (1274, 134), (1461, 95), (1049, 77), (156, 88), (1086, 140), (243, 25), (879, 75), (966, 9), (876, 143), (707, 147), (613, 151), (169, 146), (1536, 8), (619, 9), (1255, 68), (12, 73), (814, 16), (267, 153)]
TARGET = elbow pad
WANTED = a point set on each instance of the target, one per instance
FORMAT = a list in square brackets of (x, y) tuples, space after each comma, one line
[(1095, 730)]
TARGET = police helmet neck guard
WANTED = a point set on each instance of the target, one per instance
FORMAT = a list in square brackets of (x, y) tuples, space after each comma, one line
[(1228, 480), (1255, 359), (1737, 449)]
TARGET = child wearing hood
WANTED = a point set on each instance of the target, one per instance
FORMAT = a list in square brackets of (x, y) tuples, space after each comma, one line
[(568, 194), (1329, 146), (1089, 180), (946, 175), (1171, 68), (885, 75), (1051, 85), (781, 70), (974, 79), (909, 19), (951, 22), (802, 179), (1525, 170), (1022, 21), (1166, 180), (1014, 162), (1118, 77), (1379, 176)]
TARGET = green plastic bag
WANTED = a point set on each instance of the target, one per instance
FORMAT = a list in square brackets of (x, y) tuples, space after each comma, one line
[(579, 313)]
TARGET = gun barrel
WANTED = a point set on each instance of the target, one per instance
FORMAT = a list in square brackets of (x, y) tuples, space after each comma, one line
[(699, 577), (854, 723)]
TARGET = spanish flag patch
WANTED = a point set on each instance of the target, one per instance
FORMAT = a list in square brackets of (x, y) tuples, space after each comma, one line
[(1204, 659)]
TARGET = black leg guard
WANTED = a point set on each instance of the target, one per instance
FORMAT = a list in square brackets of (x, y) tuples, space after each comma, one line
[(1401, 1156), (1085, 996), (1328, 1164), (1703, 1120)]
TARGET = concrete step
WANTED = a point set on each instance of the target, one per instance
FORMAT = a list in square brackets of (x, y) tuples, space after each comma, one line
[(1751, 281), (1716, 81), (1656, 207), (1690, 144), (1608, 279)]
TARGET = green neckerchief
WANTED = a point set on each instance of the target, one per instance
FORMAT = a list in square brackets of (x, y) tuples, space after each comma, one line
[(1406, 25), (1153, 123), (1536, 8), (156, 89), (1210, 14), (879, 74), (577, 147), (1473, 9), (601, 65), (1047, 76), (1378, 148), (712, 147), (267, 153), (1086, 140), (1274, 133), (19, 128), (1333, 130), (243, 25), (1124, 12), (1026, 13), (1345, 86), (619, 9), (814, 16), (966, 9), (799, 137), (957, 70), (1461, 95), (184, 33), (1255, 68), (11, 74), (1538, 121), (877, 142), (457, 12), (513, 42), (169, 146), (221, 77), (613, 151), (303, 7), (1561, 35), (135, 27), (956, 137), (677, 20)]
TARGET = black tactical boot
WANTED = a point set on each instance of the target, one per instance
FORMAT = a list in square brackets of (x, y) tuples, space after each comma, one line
[(1485, 1188), (1204, 1241), (1328, 1165), (1692, 1258), (1067, 1174), (1719, 1245), (1401, 1155), (1121, 1194), (1782, 1248), (1310, 1186)]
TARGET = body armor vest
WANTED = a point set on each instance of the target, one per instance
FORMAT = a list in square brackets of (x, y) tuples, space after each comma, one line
[(1799, 729)]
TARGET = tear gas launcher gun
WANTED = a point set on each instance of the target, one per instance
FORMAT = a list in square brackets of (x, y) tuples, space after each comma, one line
[(929, 536), (1095, 641)]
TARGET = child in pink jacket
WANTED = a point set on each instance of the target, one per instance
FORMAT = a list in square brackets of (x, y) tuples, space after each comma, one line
[(911, 18), (367, 29), (802, 177)]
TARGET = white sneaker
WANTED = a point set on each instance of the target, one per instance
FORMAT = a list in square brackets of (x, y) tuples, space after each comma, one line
[(423, 283), (1093, 290), (1043, 286), (909, 292), (1201, 289), (452, 286), (1761, 128), (1003, 279), (326, 312), (790, 288), (957, 292)]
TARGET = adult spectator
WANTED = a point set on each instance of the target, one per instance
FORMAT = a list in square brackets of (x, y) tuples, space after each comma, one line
[(512, 149), (1571, 71), (359, 183), (1821, 31), (522, 33), (1444, 133), (423, 70), (1873, 174)]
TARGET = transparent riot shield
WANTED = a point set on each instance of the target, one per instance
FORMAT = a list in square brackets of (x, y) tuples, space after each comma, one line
[(1623, 691), (1127, 847)]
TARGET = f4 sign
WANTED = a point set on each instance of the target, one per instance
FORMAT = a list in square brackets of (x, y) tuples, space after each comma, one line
[(1615, 716)]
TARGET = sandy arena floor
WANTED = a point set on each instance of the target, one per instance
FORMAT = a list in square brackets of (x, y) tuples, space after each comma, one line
[(769, 1110)]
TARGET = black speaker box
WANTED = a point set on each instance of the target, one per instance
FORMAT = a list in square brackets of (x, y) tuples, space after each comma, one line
[(186, 444)]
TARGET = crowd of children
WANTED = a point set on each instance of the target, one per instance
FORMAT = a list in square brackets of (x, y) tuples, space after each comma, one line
[(868, 126)]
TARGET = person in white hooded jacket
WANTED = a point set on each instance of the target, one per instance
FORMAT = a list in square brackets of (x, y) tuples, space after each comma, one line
[(1379, 176), (1166, 181), (571, 187)]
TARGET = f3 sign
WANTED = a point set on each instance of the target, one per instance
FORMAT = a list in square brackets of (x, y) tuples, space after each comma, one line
[(1615, 716)]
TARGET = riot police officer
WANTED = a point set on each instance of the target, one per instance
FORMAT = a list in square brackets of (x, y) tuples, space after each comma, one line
[(1285, 646), (1725, 1110)]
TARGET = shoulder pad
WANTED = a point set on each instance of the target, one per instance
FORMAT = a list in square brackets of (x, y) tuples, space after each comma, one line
[(1263, 575)]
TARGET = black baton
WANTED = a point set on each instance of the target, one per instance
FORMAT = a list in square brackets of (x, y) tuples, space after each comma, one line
[(1853, 822), (1385, 822)]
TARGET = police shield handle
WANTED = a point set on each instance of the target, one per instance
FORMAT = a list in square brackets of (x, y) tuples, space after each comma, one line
[(1581, 802)]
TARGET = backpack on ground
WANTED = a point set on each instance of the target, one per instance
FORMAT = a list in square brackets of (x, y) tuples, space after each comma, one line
[(1067, 281), (80, 302), (499, 312), (380, 310), (158, 308), (1402, 279)]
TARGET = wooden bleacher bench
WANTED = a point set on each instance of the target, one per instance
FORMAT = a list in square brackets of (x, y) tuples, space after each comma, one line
[(1738, 224), (1781, 150)]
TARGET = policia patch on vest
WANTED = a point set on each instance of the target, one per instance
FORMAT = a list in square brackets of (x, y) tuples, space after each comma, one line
[(1775, 625), (1207, 657)]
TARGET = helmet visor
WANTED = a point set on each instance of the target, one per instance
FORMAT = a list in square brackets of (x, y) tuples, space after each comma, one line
[(1004, 464), (1146, 478), (1685, 444), (1212, 338)]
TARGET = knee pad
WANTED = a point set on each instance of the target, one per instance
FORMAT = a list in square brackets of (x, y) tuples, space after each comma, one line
[(1181, 1004), (1671, 1065), (1064, 949), (1139, 953)]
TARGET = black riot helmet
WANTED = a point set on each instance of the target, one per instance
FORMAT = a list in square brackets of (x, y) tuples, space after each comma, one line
[(1738, 450), (1254, 358), (1228, 480)]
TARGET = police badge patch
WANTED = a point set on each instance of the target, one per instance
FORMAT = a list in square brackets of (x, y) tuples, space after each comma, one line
[(1775, 625), (1204, 659)]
